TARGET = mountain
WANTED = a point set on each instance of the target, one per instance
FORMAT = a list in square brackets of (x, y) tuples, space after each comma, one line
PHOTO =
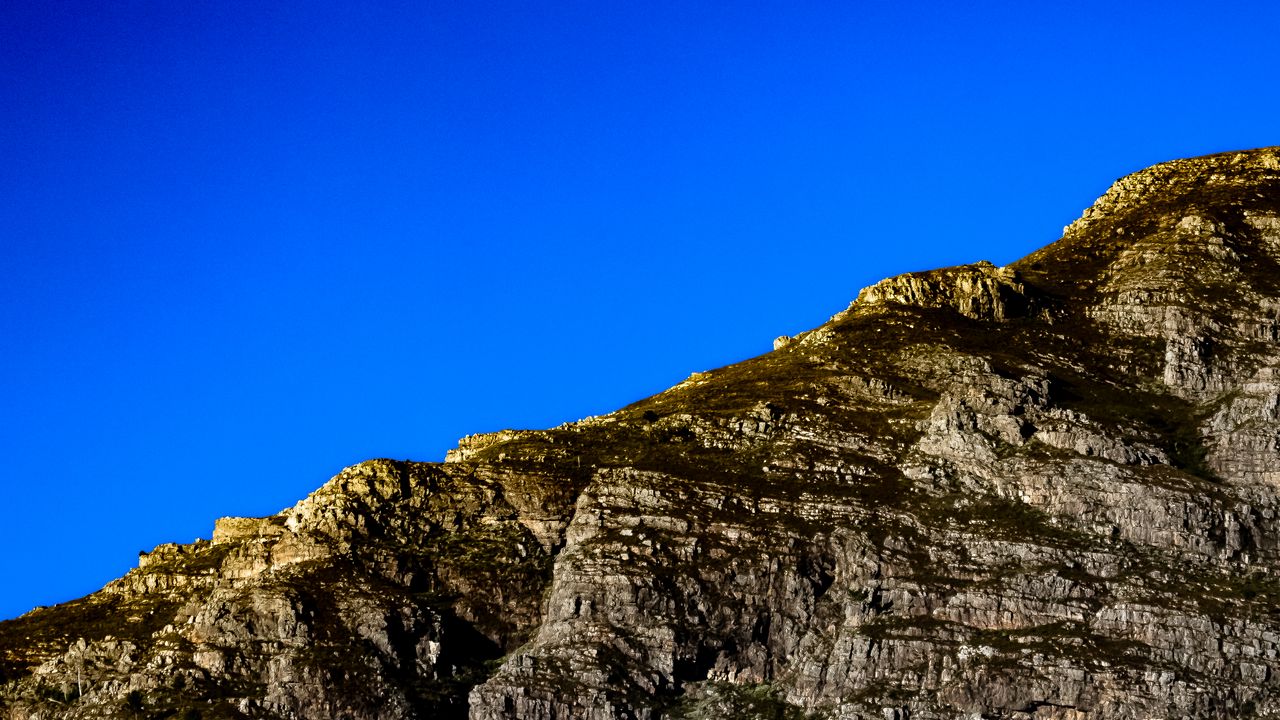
[(1047, 490)]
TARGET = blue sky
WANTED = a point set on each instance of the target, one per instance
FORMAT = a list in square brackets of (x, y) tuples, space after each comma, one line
[(246, 244)]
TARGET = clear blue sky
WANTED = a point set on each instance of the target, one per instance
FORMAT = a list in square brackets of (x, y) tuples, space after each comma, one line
[(246, 244)]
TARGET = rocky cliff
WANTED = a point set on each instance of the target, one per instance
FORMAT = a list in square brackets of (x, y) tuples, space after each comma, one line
[(1049, 490)]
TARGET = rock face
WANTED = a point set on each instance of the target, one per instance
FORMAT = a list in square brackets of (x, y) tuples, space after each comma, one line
[(1050, 490)]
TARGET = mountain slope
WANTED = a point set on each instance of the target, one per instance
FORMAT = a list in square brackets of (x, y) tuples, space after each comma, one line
[(1047, 490)]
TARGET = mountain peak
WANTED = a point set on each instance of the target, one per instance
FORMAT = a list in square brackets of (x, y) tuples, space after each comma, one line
[(1047, 490), (1192, 207), (1201, 178)]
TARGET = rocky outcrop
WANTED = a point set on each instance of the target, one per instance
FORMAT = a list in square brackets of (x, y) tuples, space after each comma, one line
[(1050, 490), (980, 291)]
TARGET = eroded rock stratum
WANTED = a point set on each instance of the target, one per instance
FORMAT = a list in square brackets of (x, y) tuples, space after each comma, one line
[(1048, 490)]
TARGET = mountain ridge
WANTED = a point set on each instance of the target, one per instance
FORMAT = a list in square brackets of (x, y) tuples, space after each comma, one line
[(1044, 490)]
